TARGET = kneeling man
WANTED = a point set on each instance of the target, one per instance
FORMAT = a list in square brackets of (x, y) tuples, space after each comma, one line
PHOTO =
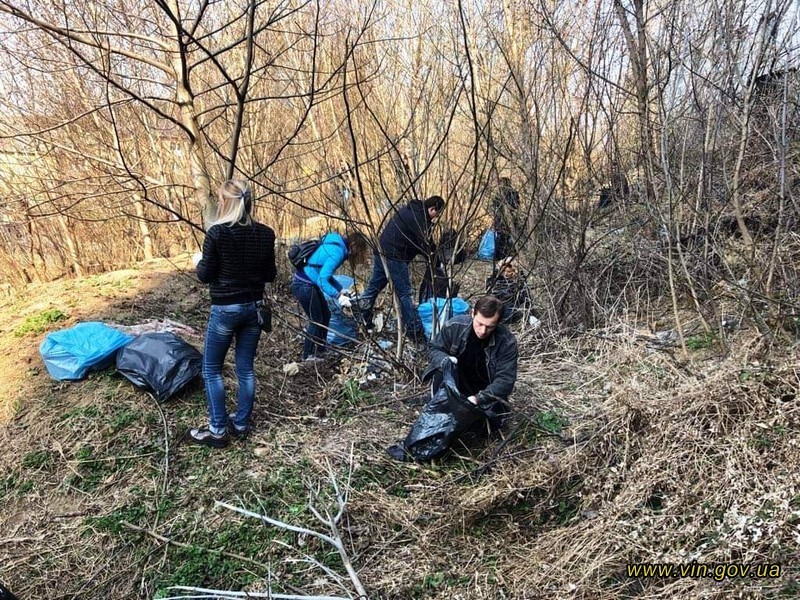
[(482, 355), (483, 350)]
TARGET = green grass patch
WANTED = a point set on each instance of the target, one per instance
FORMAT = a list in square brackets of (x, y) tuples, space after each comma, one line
[(143, 508), (283, 494), (700, 341), (80, 412), (767, 439), (351, 397), (386, 477), (204, 562), (14, 484), (551, 421), (92, 468), (37, 459), (122, 418), (39, 323), (437, 582), (112, 523)]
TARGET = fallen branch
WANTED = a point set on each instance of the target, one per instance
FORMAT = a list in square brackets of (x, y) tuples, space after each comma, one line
[(331, 521), (224, 594)]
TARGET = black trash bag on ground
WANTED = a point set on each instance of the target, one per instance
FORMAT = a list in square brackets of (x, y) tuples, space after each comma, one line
[(5, 593), (446, 415), (161, 363)]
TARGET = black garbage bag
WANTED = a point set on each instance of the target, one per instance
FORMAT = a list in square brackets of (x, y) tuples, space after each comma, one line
[(5, 593), (161, 363), (446, 415)]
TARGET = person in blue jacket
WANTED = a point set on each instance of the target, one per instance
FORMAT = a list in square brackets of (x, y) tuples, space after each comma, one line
[(316, 280)]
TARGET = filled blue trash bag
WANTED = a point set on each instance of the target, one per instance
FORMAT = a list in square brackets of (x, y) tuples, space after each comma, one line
[(434, 313), (343, 328), (345, 281), (487, 245), (71, 353)]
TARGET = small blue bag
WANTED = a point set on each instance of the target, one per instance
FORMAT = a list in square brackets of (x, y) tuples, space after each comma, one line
[(342, 328), (433, 319), (487, 245), (71, 353)]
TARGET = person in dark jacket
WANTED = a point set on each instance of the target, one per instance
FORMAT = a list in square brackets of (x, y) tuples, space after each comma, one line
[(483, 350), (316, 280), (407, 234), (484, 354), (509, 286), (238, 258)]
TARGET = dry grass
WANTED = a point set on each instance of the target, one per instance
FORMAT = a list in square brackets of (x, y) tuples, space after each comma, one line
[(618, 452)]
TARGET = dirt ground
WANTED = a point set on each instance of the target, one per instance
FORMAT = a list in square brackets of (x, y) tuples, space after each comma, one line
[(620, 452)]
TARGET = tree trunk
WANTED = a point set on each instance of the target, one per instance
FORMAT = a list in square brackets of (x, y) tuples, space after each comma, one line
[(188, 117), (72, 245), (144, 228)]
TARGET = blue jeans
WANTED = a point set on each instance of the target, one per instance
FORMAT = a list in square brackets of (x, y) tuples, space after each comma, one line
[(226, 323), (401, 279), (313, 302)]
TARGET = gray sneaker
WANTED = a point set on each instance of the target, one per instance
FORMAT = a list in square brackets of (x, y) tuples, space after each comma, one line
[(205, 437)]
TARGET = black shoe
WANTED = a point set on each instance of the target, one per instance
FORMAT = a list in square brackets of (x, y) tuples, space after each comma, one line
[(205, 437), (238, 434), (235, 432)]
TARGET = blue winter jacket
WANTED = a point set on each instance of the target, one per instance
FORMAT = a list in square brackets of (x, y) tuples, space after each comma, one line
[(322, 265)]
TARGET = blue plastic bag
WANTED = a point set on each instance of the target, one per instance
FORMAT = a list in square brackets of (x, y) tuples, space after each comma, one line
[(487, 245), (342, 328), (445, 309), (345, 281), (71, 353)]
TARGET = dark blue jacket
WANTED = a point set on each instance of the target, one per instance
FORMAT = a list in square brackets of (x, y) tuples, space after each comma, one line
[(407, 233)]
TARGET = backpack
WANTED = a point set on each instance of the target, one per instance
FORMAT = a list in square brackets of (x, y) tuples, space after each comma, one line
[(300, 253)]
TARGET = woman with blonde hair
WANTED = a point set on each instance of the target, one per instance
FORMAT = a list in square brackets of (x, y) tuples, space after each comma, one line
[(238, 258)]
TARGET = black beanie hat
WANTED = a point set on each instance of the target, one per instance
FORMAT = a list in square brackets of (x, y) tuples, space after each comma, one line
[(436, 202)]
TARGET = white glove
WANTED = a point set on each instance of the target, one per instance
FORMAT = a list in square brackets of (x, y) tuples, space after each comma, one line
[(196, 258), (453, 360), (473, 399), (344, 301)]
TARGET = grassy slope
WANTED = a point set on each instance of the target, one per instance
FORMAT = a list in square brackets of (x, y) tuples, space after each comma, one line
[(618, 453)]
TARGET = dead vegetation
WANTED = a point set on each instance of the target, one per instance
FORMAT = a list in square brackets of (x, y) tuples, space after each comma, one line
[(619, 452)]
